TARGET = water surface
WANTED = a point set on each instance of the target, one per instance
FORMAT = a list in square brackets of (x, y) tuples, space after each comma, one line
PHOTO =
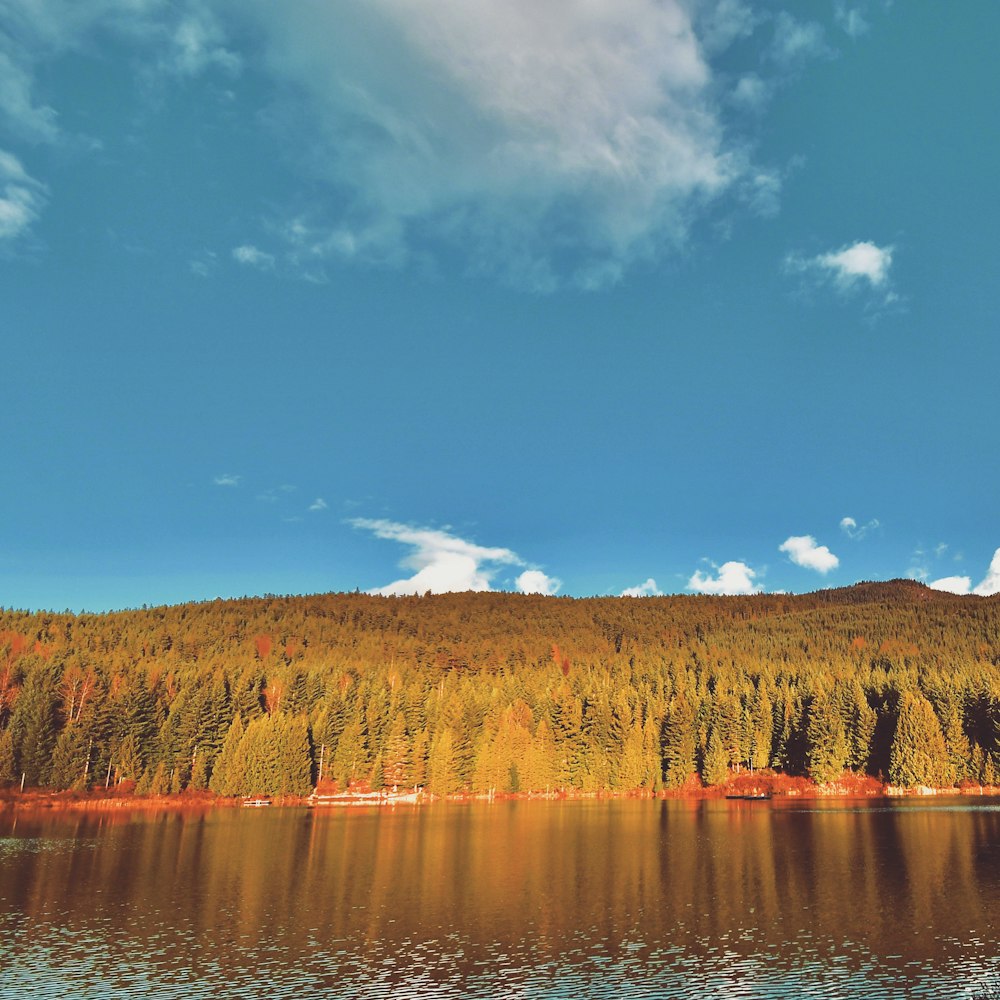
[(548, 899)]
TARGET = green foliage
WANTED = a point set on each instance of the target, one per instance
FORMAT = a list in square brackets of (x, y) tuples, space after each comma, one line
[(33, 726)]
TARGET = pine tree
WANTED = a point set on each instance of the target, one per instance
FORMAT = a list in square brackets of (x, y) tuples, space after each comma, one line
[(227, 774), (827, 746), (8, 766), (715, 767), (33, 727), (128, 762), (919, 755), (441, 764), (762, 728), (679, 743)]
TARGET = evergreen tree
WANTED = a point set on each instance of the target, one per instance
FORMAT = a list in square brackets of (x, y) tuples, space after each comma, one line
[(828, 747), (443, 772), (8, 766), (861, 721), (33, 727), (679, 743), (762, 728), (227, 774), (715, 768), (919, 755), (128, 762), (70, 758)]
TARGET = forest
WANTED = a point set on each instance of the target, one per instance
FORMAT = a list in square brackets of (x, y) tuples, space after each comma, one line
[(504, 692)]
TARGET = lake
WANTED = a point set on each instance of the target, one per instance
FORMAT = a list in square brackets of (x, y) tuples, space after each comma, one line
[(605, 898)]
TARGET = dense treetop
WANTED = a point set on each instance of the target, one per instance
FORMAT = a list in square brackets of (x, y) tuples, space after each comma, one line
[(504, 691)]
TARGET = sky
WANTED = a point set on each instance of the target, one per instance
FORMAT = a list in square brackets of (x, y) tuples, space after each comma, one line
[(615, 297)]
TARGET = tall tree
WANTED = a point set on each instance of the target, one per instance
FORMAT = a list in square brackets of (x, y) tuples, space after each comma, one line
[(919, 755)]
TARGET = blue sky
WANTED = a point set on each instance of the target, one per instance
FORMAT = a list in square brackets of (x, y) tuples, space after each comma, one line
[(633, 295)]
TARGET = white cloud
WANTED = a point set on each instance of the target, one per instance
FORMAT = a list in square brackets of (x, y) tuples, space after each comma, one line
[(249, 254), (647, 589), (21, 198), (18, 109), (989, 585), (796, 41), (534, 581), (803, 551), (318, 504), (720, 24), (227, 479), (552, 142), (196, 45), (443, 563), (751, 92), (991, 582), (862, 262), (850, 19), (856, 531), (732, 578)]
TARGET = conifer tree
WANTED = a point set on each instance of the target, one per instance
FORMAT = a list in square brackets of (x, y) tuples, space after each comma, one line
[(715, 767), (919, 755), (8, 766), (762, 728), (33, 726), (444, 778), (828, 749), (679, 743), (227, 774)]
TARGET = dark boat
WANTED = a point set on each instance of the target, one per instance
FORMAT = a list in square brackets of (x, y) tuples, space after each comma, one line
[(753, 797)]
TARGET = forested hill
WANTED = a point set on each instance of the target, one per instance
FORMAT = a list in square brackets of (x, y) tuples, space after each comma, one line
[(504, 691)]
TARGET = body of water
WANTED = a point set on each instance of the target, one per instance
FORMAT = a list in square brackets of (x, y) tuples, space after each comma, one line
[(621, 898)]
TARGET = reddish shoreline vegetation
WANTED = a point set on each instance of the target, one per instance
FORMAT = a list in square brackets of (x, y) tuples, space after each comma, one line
[(858, 691), (776, 787)]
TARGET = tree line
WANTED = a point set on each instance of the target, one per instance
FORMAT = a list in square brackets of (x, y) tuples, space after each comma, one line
[(504, 692)]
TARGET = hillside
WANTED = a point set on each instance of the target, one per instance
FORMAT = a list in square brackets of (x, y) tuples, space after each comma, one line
[(504, 691)]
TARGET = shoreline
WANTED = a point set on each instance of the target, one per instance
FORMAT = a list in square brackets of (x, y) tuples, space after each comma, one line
[(788, 789)]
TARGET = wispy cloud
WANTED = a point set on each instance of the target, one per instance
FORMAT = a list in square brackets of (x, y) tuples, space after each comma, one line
[(21, 197), (227, 479), (731, 578), (647, 589), (534, 581), (197, 44), (318, 504), (859, 265), (444, 563), (251, 256), (552, 143), (803, 551), (796, 41), (856, 532), (19, 111), (850, 19), (204, 264)]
